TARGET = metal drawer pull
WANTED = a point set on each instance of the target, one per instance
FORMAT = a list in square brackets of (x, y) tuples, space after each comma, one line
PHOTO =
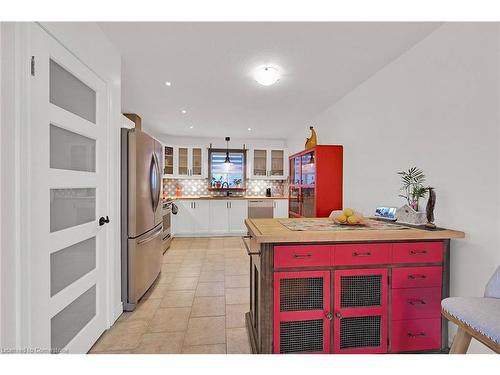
[(414, 302), (356, 254), (249, 252), (416, 335), (413, 277), (302, 256), (329, 315), (418, 252)]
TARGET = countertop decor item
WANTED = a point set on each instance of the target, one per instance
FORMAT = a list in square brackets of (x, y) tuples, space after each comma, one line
[(408, 215), (312, 141), (429, 209), (413, 188)]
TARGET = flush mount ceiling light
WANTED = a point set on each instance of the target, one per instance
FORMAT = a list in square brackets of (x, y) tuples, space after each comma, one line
[(168, 83), (267, 75), (183, 111), (249, 129)]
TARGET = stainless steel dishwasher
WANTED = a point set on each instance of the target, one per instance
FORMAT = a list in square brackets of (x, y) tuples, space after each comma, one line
[(260, 208)]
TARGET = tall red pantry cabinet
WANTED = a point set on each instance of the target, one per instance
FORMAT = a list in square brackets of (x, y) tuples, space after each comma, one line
[(315, 184)]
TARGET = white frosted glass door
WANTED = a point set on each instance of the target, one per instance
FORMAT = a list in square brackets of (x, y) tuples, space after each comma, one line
[(68, 295)]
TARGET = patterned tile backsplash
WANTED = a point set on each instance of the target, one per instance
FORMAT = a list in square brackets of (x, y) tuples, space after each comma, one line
[(196, 187)]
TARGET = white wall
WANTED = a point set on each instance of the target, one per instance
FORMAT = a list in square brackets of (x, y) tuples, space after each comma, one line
[(435, 107)]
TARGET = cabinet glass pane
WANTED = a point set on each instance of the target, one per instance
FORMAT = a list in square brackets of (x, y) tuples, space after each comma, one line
[(183, 161), (259, 162), (169, 160), (308, 202), (70, 207), (71, 151), (294, 200), (196, 161), (69, 321), (277, 163), (71, 94), (71, 263), (308, 169)]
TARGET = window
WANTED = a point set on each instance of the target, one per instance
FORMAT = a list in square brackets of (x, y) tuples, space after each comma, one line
[(227, 175)]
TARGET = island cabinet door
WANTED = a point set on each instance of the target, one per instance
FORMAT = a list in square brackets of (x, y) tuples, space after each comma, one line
[(302, 313), (360, 311)]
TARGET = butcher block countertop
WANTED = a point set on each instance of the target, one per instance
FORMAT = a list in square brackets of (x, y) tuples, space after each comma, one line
[(273, 231)]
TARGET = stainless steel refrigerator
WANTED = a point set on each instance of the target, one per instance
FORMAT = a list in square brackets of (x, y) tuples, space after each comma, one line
[(141, 212)]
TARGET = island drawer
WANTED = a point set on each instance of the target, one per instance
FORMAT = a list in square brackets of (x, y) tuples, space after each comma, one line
[(361, 254), (416, 303), (302, 256), (416, 277), (417, 252), (413, 335)]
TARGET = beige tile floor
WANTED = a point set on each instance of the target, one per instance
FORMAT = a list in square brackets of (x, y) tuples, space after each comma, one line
[(197, 305)]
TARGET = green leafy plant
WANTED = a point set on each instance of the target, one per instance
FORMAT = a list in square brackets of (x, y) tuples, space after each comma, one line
[(413, 187)]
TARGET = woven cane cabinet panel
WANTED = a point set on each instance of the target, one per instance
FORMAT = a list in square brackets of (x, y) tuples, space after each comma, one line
[(301, 300)]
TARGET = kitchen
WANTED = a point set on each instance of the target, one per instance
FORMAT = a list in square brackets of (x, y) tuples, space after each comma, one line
[(210, 213)]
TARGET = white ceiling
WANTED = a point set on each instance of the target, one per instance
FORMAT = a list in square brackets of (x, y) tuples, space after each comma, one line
[(210, 64)]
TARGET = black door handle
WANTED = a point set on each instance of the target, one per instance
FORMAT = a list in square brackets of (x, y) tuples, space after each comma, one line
[(103, 220)]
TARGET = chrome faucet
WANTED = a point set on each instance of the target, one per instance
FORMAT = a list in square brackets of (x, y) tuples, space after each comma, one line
[(227, 184)]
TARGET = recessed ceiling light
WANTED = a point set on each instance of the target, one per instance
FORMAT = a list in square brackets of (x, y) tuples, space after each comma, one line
[(168, 83), (191, 127), (267, 75), (249, 129), (183, 111)]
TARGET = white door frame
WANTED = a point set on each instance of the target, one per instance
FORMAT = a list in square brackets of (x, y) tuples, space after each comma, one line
[(15, 330)]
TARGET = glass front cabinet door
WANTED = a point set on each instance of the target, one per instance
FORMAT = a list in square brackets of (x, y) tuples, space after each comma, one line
[(268, 164), (190, 162)]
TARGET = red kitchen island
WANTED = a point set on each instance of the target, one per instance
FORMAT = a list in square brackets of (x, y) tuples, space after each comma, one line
[(319, 288)]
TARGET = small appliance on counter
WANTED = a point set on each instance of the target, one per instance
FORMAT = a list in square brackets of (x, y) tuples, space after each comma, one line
[(268, 192)]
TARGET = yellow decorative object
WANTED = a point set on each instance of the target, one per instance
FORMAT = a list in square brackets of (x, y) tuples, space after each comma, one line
[(311, 141)]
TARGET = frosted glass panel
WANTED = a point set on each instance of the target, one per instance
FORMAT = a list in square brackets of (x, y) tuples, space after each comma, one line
[(71, 263), (71, 151), (69, 321), (71, 94), (70, 207)]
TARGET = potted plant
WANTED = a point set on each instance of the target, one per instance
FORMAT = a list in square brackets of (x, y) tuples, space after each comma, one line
[(237, 182), (218, 183), (413, 188)]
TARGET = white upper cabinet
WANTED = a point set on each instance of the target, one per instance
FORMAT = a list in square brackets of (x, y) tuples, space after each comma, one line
[(185, 162), (268, 164)]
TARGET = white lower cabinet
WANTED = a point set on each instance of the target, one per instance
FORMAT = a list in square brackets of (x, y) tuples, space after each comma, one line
[(238, 212), (210, 217), (192, 217), (280, 208), (219, 216)]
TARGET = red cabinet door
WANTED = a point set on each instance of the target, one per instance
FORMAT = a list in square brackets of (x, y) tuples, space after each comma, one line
[(360, 311), (302, 312)]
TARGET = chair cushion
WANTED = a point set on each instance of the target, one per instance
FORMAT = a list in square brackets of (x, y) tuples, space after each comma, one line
[(493, 287), (481, 314)]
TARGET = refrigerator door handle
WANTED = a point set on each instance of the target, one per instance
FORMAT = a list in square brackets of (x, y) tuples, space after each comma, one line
[(154, 177)]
